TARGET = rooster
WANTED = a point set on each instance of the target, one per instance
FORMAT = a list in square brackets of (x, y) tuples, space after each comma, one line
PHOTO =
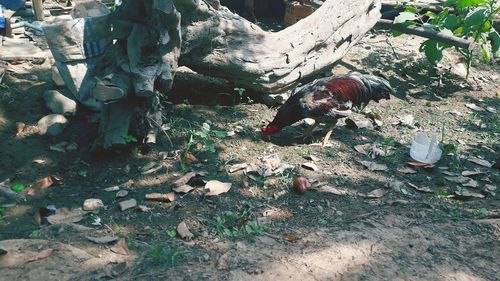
[(327, 99)]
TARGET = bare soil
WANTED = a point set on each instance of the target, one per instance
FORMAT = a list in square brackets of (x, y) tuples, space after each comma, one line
[(403, 235)]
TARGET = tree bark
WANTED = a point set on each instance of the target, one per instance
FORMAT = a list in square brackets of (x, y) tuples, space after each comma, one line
[(218, 43)]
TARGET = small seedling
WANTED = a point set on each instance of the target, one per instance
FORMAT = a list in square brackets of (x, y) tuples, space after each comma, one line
[(17, 187), (129, 139), (172, 233), (83, 174), (162, 255)]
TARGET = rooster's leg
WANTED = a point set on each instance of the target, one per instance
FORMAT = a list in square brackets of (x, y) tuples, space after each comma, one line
[(308, 133)]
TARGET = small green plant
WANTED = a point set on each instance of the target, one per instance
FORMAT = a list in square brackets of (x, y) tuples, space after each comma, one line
[(233, 225), (35, 234), (162, 255), (172, 233), (129, 139), (83, 174), (469, 19), (387, 144)]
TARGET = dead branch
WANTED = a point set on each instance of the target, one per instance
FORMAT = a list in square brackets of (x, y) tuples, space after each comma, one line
[(431, 34)]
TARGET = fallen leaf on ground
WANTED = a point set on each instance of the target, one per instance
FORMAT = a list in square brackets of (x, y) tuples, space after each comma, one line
[(358, 124), (184, 232), (112, 188), (163, 197), (216, 187), (373, 166), (407, 120), (42, 184), (42, 255), (184, 179), (472, 183), (183, 189), (310, 166), (418, 164), (121, 194), (143, 208), (377, 193), (333, 190), (420, 188), (290, 238), (115, 270), (39, 161), (20, 128), (490, 189), (237, 167), (312, 158), (397, 201), (471, 173), (406, 170), (480, 162), (189, 159), (120, 248), (467, 194), (448, 173), (458, 179), (102, 240), (474, 107), (491, 109), (66, 216)]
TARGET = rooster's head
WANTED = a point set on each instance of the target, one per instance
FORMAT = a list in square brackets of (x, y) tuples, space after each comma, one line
[(270, 129)]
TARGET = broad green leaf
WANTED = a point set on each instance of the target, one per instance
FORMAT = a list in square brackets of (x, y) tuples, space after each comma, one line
[(486, 26), (450, 21), (404, 17), (485, 51), (495, 43), (432, 51), (220, 134), (462, 4), (412, 9), (475, 18), (430, 15)]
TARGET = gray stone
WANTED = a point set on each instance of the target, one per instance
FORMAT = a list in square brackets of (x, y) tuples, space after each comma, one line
[(52, 124), (59, 103)]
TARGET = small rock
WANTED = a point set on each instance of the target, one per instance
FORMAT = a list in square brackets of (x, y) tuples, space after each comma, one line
[(56, 77), (52, 124), (59, 103), (127, 204), (121, 194), (92, 204)]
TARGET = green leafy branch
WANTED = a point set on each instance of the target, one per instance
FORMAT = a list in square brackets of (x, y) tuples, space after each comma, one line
[(469, 19)]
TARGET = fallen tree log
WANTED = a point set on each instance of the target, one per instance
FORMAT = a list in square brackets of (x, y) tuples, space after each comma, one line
[(218, 43)]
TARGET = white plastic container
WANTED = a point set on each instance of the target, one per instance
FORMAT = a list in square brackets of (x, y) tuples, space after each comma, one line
[(425, 150)]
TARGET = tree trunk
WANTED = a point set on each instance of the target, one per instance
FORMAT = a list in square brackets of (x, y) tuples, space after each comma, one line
[(218, 43)]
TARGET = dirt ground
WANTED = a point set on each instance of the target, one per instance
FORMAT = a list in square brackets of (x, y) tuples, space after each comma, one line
[(262, 230)]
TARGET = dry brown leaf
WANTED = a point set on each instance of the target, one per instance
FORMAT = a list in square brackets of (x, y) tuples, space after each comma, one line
[(480, 162), (467, 194), (458, 179), (115, 270), (189, 158), (112, 188), (66, 216), (42, 255), (20, 128), (310, 166), (215, 187), (183, 189), (406, 170), (471, 183), (363, 148), (162, 197), (120, 247), (377, 193), (102, 240), (418, 164), (471, 173), (333, 190), (420, 188), (237, 167), (184, 232), (42, 184), (290, 238), (373, 166), (474, 107), (184, 179)]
